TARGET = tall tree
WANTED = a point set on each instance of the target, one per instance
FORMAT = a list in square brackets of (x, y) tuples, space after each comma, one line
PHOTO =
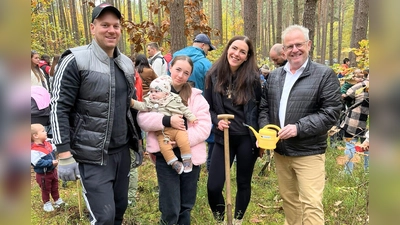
[(177, 18), (217, 15), (295, 11), (85, 13), (250, 21), (331, 22), (74, 22), (353, 42), (341, 13), (324, 7), (279, 6), (310, 7), (271, 7), (361, 25)]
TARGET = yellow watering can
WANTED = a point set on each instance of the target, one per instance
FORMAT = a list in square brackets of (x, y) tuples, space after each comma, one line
[(267, 137)]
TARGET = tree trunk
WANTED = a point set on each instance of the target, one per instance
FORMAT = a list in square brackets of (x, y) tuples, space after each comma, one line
[(362, 21), (74, 23), (279, 21), (324, 7), (340, 30), (217, 18), (295, 11), (309, 20), (273, 37), (250, 21), (86, 22), (177, 18), (332, 20), (353, 42)]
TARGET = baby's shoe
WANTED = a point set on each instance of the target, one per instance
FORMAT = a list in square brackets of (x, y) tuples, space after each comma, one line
[(48, 207), (188, 165), (177, 166), (59, 203)]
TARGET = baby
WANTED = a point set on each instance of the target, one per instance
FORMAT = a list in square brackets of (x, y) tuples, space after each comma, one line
[(44, 164), (161, 99)]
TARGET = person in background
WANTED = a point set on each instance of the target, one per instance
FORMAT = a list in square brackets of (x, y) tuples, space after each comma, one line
[(45, 65), (277, 55), (44, 162), (303, 99), (233, 87), (357, 77), (355, 122), (198, 52), (156, 59), (145, 72), (91, 119), (344, 67), (264, 70), (53, 69), (177, 194), (37, 76)]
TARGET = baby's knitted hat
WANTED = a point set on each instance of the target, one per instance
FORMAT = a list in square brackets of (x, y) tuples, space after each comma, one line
[(162, 83)]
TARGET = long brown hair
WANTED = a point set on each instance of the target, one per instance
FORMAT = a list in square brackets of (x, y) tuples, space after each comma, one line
[(35, 68), (56, 58), (247, 74), (186, 90)]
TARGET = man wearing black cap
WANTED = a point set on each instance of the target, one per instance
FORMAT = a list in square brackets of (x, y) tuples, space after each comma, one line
[(91, 118), (198, 52)]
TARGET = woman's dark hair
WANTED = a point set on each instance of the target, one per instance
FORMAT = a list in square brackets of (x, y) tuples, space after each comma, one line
[(56, 58), (186, 90), (246, 74), (141, 62)]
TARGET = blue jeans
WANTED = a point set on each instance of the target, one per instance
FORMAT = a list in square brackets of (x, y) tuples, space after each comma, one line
[(366, 160), (350, 151), (177, 191)]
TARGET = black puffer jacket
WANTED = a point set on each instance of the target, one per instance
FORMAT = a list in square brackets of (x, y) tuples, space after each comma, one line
[(215, 101), (82, 112), (313, 106)]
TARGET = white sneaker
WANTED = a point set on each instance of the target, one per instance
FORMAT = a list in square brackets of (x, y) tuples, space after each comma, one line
[(59, 203), (48, 207)]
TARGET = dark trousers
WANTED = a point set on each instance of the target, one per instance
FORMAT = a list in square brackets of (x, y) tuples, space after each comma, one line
[(105, 188), (177, 191), (241, 147), (48, 183)]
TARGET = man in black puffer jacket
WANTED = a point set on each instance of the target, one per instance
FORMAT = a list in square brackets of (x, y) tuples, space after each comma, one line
[(303, 98), (91, 119)]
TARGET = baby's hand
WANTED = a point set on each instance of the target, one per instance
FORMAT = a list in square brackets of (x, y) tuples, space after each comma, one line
[(195, 121), (132, 102), (55, 162)]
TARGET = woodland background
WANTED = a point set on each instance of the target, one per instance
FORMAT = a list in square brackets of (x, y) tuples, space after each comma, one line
[(336, 26)]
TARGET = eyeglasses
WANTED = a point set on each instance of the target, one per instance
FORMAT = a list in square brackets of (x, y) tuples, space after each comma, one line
[(298, 45)]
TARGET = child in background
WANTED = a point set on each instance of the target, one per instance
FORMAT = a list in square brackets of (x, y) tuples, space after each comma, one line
[(44, 164), (161, 99)]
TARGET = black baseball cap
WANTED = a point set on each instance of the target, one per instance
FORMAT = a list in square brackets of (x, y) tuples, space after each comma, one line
[(203, 38), (100, 8)]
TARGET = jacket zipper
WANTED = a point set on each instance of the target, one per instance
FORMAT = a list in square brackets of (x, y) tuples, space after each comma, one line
[(108, 115)]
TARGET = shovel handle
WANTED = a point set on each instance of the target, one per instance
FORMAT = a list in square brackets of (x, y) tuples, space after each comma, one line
[(226, 117)]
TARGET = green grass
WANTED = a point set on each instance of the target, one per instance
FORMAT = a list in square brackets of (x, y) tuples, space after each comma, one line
[(345, 198)]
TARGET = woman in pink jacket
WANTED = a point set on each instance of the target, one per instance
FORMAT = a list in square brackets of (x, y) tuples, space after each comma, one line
[(178, 191)]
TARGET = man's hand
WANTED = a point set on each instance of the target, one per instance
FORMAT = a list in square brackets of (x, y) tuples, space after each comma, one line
[(68, 169), (288, 131)]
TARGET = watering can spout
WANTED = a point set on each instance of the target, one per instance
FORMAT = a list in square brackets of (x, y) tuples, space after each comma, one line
[(267, 137)]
